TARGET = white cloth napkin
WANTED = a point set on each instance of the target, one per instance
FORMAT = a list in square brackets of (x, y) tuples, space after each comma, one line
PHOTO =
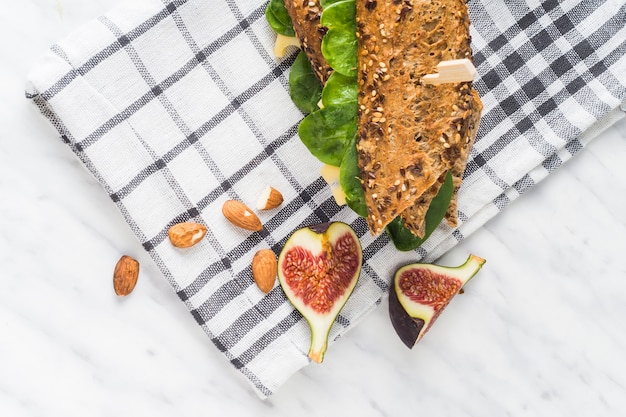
[(176, 106)]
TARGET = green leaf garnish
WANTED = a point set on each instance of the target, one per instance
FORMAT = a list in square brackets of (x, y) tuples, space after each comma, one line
[(278, 18), (326, 3), (328, 132), (339, 89), (304, 87), (350, 180), (339, 45)]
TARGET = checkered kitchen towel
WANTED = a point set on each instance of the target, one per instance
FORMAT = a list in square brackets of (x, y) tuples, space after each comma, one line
[(176, 106)]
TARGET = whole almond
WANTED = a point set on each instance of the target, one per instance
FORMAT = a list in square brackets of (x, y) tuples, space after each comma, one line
[(184, 235), (125, 275), (241, 216), (264, 269), (270, 198)]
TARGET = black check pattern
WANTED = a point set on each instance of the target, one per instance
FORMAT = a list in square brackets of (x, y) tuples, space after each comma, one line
[(188, 107)]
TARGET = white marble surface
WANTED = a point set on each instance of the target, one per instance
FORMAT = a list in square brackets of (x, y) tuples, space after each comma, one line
[(539, 332)]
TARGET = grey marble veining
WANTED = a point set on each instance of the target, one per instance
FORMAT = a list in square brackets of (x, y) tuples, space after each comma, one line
[(539, 332)]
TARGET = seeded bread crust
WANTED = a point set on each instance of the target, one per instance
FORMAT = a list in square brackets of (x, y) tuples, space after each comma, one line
[(305, 17), (414, 217), (410, 134), (465, 121), (471, 128)]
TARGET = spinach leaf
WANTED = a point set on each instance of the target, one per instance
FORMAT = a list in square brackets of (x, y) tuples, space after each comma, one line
[(349, 179), (339, 89), (403, 239), (340, 15), (339, 45), (278, 18), (326, 3), (304, 87), (328, 132)]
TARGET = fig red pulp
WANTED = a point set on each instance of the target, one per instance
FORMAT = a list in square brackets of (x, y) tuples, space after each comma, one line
[(319, 280), (429, 288)]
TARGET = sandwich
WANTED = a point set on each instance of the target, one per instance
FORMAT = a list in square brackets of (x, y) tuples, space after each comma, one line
[(387, 88)]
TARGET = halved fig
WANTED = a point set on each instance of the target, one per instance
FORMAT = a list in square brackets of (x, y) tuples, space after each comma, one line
[(420, 293), (318, 268)]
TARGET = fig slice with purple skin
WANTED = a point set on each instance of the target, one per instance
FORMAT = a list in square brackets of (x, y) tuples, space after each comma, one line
[(317, 269), (421, 292)]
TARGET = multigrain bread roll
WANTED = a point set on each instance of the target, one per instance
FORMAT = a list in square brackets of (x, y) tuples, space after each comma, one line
[(465, 121), (305, 17), (410, 133)]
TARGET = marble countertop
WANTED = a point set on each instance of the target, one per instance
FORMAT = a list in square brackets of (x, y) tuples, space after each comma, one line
[(539, 332)]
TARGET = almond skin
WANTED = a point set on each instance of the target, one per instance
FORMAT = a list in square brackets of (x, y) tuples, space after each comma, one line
[(269, 199), (264, 269), (125, 275), (241, 216), (185, 235)]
